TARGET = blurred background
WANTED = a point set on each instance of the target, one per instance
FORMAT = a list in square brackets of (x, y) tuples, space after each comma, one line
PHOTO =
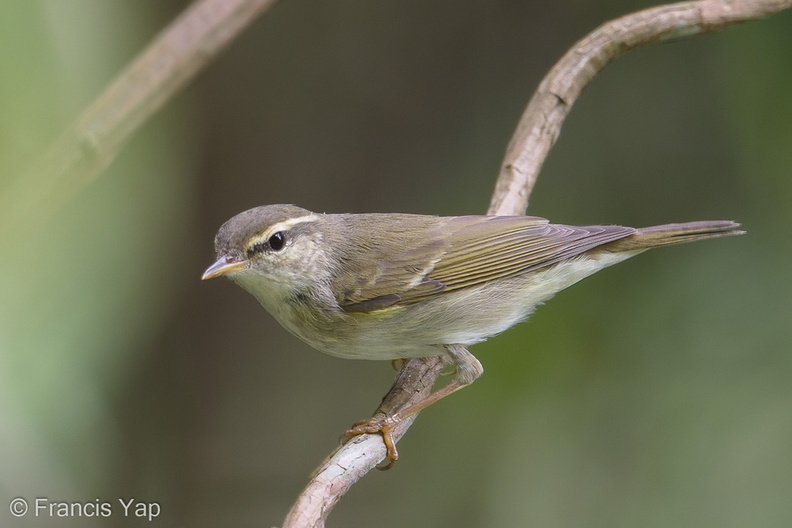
[(656, 393)]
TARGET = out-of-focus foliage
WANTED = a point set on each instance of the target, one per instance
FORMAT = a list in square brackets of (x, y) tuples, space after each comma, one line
[(654, 394), (86, 287)]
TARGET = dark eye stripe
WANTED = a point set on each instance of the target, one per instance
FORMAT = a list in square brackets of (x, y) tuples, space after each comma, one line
[(256, 248), (274, 243)]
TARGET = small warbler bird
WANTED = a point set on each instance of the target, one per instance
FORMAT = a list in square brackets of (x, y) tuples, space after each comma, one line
[(394, 286)]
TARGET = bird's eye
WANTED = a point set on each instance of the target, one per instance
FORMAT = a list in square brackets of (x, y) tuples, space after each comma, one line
[(274, 243), (277, 241)]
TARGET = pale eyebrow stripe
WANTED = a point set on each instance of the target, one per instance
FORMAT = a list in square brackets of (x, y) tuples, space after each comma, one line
[(282, 226)]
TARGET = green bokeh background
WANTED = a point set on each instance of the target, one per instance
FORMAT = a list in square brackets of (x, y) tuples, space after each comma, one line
[(655, 394)]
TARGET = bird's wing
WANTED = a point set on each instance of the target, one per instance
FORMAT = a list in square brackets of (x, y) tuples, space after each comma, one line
[(464, 251)]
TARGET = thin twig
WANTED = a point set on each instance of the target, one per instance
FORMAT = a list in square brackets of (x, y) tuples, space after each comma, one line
[(92, 142), (535, 135)]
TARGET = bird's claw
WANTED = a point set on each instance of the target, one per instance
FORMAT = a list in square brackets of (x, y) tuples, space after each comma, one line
[(383, 425)]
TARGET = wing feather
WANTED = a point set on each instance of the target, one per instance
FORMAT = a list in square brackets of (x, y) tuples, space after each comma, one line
[(465, 251)]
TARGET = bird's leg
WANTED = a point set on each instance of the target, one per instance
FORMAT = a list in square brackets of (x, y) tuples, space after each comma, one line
[(468, 369), (397, 364)]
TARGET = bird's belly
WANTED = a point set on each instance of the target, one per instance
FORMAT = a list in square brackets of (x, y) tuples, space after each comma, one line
[(418, 330), (462, 317)]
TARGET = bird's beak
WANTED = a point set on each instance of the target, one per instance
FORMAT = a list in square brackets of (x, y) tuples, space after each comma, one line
[(223, 266)]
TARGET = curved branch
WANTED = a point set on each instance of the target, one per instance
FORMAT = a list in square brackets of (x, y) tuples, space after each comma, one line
[(351, 461), (541, 122), (535, 135)]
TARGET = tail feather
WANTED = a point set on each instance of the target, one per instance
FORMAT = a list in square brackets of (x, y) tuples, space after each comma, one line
[(669, 234)]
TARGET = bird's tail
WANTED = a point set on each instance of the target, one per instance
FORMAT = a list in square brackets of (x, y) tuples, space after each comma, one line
[(669, 234)]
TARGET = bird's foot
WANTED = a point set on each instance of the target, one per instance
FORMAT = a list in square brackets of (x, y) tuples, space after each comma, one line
[(382, 424)]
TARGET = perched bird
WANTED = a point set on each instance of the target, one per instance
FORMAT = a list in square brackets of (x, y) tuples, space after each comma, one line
[(393, 286)]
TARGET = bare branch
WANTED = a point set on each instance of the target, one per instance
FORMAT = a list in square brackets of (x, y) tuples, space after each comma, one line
[(535, 135), (350, 462), (541, 122)]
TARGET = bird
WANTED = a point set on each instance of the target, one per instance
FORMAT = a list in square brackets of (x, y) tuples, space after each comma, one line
[(393, 286)]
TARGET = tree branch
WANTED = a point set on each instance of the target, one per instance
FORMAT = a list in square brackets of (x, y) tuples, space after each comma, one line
[(541, 122), (536, 133), (350, 462), (208, 26)]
